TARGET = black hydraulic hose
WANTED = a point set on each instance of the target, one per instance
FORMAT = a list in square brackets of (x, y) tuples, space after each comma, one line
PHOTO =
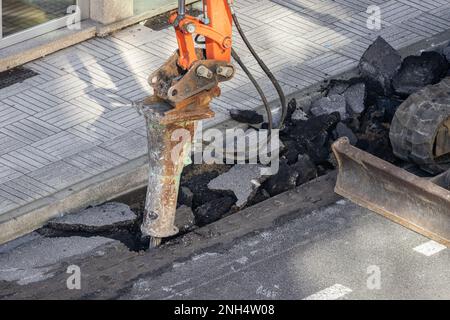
[(198, 41), (266, 71), (181, 8), (253, 80), (255, 84), (258, 88)]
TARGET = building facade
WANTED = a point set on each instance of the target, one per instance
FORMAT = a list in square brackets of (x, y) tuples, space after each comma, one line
[(21, 20)]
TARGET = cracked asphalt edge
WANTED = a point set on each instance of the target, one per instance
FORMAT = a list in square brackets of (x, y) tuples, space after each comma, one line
[(113, 273)]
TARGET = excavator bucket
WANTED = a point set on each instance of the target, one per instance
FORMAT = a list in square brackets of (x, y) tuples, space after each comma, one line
[(417, 203)]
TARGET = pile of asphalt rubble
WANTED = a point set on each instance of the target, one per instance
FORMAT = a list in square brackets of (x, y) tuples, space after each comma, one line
[(360, 108)]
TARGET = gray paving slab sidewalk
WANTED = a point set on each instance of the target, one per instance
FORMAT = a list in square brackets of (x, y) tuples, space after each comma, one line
[(75, 119)]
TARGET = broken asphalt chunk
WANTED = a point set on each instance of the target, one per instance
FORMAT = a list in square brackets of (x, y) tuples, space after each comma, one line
[(355, 97), (284, 180), (378, 66), (213, 210), (312, 128), (185, 197), (306, 169), (102, 218), (299, 115), (199, 186), (330, 104), (246, 116), (419, 71), (243, 180), (343, 131), (184, 218)]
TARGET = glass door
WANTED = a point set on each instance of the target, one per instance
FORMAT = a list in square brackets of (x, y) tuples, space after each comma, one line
[(25, 19)]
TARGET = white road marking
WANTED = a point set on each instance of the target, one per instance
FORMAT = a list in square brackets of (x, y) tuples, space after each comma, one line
[(332, 293), (430, 248)]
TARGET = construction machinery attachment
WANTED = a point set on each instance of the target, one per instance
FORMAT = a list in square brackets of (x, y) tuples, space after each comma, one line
[(175, 86), (170, 135), (183, 88), (419, 134), (420, 204)]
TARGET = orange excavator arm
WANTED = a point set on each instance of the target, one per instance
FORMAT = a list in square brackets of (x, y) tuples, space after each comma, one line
[(192, 75), (215, 26)]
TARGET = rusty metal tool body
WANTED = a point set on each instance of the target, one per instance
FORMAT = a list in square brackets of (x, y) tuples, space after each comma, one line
[(184, 87), (420, 204), (167, 158)]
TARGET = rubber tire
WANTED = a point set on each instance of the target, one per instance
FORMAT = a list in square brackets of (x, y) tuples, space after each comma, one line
[(416, 123)]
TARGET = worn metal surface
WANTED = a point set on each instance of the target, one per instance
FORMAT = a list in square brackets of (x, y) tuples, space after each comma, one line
[(413, 202), (169, 145)]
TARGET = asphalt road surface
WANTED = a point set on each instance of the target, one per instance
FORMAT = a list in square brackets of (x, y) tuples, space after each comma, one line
[(339, 252), (305, 244)]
